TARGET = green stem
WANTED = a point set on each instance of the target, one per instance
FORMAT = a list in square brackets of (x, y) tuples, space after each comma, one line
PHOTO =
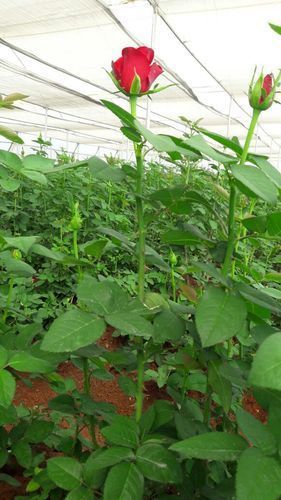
[(255, 117), (231, 230), (141, 224), (141, 261), (241, 351), (87, 391), (15, 210), (140, 380), (90, 190), (173, 284), (133, 104), (9, 300), (75, 244), (140, 209), (207, 408), (76, 252), (184, 386), (229, 348), (75, 438), (233, 197), (243, 234), (187, 174), (109, 198), (185, 255)]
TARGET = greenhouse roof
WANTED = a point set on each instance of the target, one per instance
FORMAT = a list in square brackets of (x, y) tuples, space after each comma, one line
[(57, 52)]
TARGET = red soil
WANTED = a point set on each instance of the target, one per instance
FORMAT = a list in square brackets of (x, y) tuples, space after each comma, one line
[(250, 404)]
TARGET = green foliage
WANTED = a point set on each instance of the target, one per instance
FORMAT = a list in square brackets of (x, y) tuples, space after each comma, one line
[(201, 327), (215, 306), (258, 476), (66, 472), (124, 481), (212, 446)]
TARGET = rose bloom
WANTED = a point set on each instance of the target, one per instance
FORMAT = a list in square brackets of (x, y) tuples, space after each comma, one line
[(136, 62)]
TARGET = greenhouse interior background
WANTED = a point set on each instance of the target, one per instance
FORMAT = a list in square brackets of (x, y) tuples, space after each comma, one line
[(58, 53)]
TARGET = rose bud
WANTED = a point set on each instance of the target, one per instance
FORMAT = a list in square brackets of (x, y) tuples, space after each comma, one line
[(173, 259), (262, 92)]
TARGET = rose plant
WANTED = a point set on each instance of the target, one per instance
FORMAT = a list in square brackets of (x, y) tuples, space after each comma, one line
[(203, 334)]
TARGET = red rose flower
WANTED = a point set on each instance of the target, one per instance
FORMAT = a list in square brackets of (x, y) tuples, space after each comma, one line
[(136, 62), (267, 86)]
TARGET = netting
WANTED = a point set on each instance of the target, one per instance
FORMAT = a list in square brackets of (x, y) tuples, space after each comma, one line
[(57, 54)]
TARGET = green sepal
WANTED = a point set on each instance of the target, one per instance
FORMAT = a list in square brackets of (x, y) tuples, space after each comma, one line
[(136, 85)]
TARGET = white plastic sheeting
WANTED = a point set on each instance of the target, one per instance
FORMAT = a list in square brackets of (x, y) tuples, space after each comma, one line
[(57, 53)]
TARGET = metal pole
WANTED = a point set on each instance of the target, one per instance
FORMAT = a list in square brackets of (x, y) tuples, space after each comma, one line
[(152, 44)]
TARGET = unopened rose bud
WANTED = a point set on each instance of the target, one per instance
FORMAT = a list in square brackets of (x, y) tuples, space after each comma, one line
[(262, 92), (173, 258), (16, 254), (76, 221)]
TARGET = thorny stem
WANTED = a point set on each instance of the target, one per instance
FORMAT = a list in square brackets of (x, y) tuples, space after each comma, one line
[(140, 210), (241, 351), (75, 244), (109, 196), (9, 300), (75, 249), (231, 229), (231, 212), (233, 197), (87, 391), (173, 283), (229, 348), (75, 438), (85, 361), (255, 117), (141, 260), (207, 408), (184, 386)]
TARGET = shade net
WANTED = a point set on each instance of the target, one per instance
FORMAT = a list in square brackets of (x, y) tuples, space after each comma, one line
[(57, 53)]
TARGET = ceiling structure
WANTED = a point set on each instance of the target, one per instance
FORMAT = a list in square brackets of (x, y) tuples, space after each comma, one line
[(57, 52)]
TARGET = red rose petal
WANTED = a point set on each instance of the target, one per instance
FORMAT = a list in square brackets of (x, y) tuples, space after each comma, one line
[(117, 68), (126, 50), (147, 52), (267, 84), (134, 62), (154, 72)]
